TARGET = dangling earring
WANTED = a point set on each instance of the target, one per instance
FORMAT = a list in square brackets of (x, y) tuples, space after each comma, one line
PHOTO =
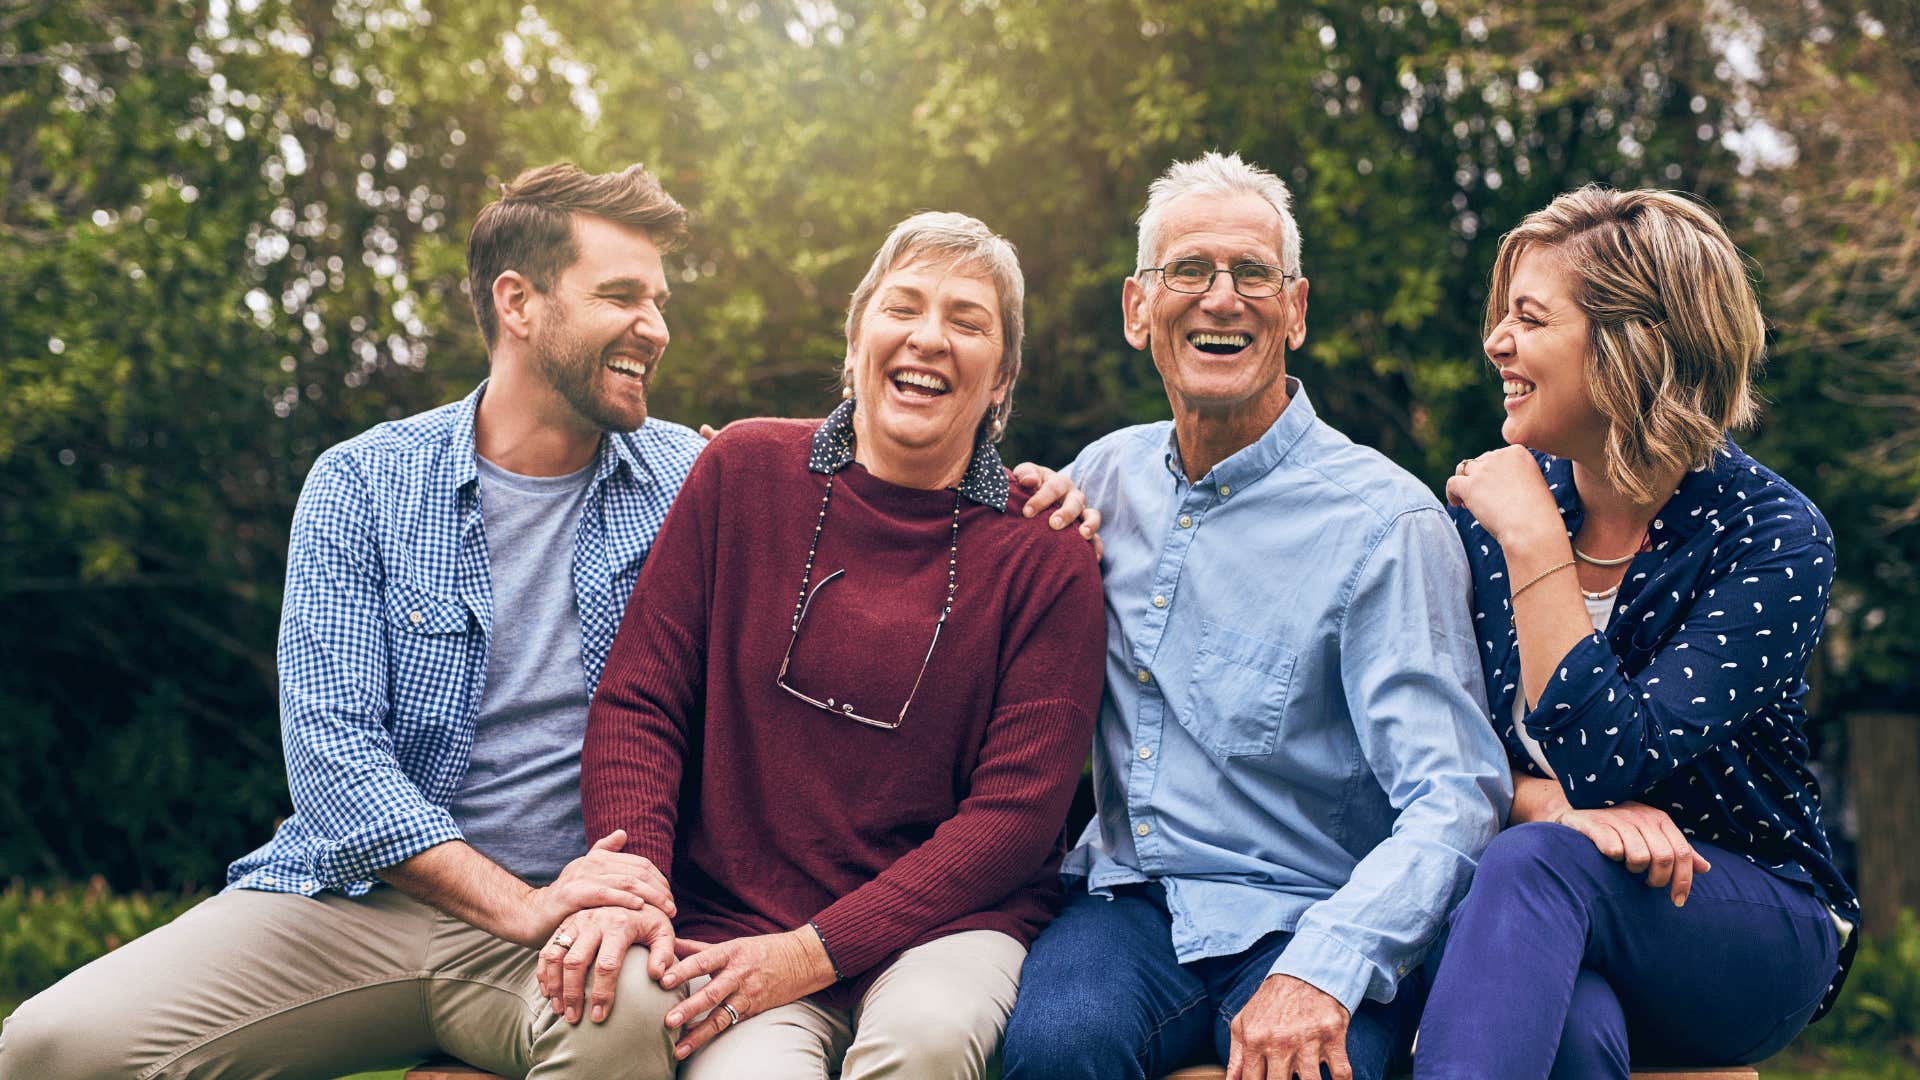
[(846, 392), (998, 426)]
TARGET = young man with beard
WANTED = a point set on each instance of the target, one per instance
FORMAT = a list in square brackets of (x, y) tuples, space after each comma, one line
[(454, 582)]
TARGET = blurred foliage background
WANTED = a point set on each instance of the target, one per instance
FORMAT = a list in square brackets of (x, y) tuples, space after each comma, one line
[(232, 233)]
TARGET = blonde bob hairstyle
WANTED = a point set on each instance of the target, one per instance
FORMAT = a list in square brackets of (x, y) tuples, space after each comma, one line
[(1675, 334)]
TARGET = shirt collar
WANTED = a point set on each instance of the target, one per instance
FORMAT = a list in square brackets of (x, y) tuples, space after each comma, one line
[(614, 450), (461, 450), (984, 482), (1257, 459)]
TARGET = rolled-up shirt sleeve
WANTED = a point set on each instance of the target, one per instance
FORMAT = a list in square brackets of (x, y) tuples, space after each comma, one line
[(347, 784), (1413, 686), (1743, 643)]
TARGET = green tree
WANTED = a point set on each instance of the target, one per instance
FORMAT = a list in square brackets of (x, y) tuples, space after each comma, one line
[(232, 234)]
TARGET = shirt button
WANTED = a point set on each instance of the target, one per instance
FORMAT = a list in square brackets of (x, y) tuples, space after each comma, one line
[(1226, 490), (416, 618), (1186, 521), (1160, 601), (1142, 829), (1143, 676), (1146, 752)]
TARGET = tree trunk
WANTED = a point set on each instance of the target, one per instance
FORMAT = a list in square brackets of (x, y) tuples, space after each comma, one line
[(1883, 776)]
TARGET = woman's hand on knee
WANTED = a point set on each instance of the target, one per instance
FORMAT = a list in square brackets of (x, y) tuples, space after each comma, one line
[(1646, 840), (748, 976)]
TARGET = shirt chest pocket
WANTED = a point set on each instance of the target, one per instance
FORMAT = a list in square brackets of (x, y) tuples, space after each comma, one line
[(428, 635), (1238, 694)]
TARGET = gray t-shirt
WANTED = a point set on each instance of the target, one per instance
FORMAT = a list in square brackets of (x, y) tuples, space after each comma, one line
[(519, 803)]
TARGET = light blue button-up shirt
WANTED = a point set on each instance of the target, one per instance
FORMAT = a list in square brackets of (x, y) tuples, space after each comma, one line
[(1294, 734)]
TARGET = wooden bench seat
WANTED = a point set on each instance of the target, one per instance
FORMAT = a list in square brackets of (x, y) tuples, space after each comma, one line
[(449, 1071)]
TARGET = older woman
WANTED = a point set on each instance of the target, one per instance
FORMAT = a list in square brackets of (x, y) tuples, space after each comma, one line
[(1648, 597), (852, 711)]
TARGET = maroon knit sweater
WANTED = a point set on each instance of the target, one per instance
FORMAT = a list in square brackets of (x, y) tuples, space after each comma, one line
[(770, 812)]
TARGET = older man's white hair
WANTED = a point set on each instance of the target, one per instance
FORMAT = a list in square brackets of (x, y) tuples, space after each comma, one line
[(1214, 173)]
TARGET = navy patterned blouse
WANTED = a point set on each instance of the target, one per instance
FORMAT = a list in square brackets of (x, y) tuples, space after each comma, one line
[(1691, 700)]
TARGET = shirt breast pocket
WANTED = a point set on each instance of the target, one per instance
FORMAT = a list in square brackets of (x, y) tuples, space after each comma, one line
[(1238, 694), (427, 634)]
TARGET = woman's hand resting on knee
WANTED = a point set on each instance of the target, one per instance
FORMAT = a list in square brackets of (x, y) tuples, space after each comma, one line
[(1643, 838), (750, 975)]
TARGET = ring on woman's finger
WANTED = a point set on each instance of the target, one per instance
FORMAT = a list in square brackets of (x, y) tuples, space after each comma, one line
[(1461, 468), (733, 1015), (563, 939)]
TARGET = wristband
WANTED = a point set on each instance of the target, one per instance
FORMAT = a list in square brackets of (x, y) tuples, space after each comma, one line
[(828, 949)]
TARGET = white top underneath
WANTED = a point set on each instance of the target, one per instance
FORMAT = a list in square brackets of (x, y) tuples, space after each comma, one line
[(1601, 612)]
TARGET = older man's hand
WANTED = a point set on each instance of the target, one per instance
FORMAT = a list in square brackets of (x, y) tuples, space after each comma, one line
[(1050, 488), (1289, 1028)]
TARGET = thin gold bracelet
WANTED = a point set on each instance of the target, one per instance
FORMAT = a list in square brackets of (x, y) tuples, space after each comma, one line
[(1537, 578)]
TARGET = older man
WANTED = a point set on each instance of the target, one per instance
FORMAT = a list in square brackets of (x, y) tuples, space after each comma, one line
[(1293, 773)]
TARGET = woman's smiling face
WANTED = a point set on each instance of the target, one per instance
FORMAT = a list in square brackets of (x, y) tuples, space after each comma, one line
[(1541, 349), (926, 364)]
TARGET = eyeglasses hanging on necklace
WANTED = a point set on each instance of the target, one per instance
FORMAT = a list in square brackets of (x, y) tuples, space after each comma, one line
[(809, 590)]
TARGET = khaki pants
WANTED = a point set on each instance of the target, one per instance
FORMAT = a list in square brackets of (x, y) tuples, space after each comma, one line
[(257, 984), (936, 1012)]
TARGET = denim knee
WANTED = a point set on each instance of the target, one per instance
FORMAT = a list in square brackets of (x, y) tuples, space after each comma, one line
[(1064, 1039)]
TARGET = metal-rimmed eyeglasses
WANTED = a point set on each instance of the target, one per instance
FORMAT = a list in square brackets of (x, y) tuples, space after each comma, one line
[(846, 708), (805, 601), (1253, 280)]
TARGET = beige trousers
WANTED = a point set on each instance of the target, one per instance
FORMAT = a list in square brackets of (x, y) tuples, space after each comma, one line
[(257, 984), (936, 1012)]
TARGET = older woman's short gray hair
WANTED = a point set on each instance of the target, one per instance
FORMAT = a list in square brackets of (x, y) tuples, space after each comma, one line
[(964, 243), (1214, 173)]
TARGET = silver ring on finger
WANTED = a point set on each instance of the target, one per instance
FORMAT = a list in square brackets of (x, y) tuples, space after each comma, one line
[(733, 1015), (563, 939), (1460, 469)]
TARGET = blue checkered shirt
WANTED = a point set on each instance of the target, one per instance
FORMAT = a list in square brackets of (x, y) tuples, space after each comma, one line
[(385, 626)]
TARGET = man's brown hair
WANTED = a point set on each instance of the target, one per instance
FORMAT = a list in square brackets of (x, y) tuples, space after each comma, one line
[(530, 229)]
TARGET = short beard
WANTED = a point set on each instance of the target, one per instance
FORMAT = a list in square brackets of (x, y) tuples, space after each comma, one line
[(573, 369)]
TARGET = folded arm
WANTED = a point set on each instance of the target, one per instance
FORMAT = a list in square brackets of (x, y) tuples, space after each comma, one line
[(1743, 645)]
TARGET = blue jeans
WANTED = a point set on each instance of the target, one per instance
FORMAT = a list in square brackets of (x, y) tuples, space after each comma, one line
[(1102, 997), (1559, 958)]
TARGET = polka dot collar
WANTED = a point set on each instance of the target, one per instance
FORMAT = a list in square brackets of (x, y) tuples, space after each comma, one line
[(985, 481)]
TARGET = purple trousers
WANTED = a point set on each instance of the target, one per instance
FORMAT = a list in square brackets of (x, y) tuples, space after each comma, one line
[(1562, 963)]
